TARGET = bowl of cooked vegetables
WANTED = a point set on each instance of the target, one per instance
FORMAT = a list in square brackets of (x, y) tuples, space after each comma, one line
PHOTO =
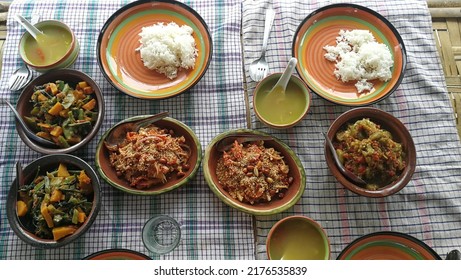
[(375, 146), (253, 172), (53, 201), (65, 107), (150, 157)]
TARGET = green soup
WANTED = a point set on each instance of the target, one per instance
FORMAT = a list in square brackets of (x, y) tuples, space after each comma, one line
[(50, 48), (281, 108)]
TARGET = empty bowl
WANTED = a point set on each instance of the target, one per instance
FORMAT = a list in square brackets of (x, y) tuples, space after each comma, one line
[(173, 178), (370, 160), (58, 206), (58, 48), (87, 112), (263, 188), (297, 238), (292, 106)]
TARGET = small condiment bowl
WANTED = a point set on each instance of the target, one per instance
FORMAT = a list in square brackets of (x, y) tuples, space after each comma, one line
[(295, 108), (276, 205), (297, 238), (67, 57), (400, 134), (44, 164), (109, 173), (72, 77)]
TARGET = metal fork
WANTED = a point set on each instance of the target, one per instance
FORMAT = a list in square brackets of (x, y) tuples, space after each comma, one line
[(19, 78)]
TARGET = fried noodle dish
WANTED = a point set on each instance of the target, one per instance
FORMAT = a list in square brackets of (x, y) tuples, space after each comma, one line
[(371, 153), (253, 173), (150, 157)]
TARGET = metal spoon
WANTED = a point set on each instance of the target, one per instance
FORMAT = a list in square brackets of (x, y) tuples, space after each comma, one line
[(118, 134), (342, 169), (227, 142), (27, 130)]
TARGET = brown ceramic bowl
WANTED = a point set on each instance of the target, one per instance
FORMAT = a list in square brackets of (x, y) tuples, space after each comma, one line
[(399, 133), (108, 173), (293, 194), (49, 163), (297, 238), (72, 77)]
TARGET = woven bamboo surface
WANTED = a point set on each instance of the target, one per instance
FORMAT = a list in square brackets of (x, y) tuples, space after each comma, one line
[(446, 22)]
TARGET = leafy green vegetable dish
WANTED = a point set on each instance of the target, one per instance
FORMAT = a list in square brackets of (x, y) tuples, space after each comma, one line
[(56, 204), (371, 153), (63, 114)]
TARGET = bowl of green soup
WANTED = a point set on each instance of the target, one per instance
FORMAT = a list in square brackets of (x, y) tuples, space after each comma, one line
[(281, 110), (297, 238), (57, 48)]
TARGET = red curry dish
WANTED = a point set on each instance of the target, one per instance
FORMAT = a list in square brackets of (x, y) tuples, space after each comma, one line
[(371, 153), (150, 157), (252, 173)]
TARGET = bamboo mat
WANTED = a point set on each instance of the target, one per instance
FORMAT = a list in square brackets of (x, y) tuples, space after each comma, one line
[(446, 23)]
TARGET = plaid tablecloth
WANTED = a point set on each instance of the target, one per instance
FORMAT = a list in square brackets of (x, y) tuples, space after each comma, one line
[(428, 208)]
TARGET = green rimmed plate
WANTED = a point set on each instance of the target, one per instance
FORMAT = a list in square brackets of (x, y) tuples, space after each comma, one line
[(388, 245), (321, 28), (121, 64), (292, 195), (108, 173)]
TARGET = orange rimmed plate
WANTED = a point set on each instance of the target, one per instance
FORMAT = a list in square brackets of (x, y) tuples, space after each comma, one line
[(321, 28), (388, 245), (121, 64), (117, 254)]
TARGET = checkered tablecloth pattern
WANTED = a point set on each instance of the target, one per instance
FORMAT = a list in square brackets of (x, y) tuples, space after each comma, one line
[(428, 208)]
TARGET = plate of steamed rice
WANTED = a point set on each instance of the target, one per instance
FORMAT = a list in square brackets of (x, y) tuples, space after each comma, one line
[(154, 50), (349, 54)]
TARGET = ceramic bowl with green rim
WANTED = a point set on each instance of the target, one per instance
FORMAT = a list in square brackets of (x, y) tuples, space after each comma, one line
[(388, 245), (279, 201), (58, 48), (321, 28), (121, 63), (174, 180)]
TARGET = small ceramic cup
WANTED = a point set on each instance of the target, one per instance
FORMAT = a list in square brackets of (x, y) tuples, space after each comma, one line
[(57, 32), (297, 238), (281, 112)]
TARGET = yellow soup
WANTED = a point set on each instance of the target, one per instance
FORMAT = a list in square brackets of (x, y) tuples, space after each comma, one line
[(297, 240), (50, 48), (281, 108)]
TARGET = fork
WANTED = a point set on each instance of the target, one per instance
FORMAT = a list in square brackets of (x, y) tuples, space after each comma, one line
[(19, 78), (258, 68)]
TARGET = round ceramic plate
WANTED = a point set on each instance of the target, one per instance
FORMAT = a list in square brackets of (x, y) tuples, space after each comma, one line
[(121, 64), (117, 254), (321, 28), (109, 174), (388, 245)]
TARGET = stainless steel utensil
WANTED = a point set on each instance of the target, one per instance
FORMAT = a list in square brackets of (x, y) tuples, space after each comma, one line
[(118, 134), (259, 68), (27, 130), (341, 167), (20, 78)]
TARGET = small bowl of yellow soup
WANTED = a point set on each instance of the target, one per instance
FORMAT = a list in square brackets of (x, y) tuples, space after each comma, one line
[(281, 110), (57, 48), (297, 238)]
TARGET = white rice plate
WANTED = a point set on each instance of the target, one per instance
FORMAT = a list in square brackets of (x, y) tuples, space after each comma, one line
[(166, 48)]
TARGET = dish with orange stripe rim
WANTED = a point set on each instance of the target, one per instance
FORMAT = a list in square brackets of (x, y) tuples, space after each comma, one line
[(122, 65), (321, 28)]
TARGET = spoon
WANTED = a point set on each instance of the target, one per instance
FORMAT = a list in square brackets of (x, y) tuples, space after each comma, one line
[(38, 35), (118, 134), (342, 169), (281, 85), (227, 142), (27, 130)]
